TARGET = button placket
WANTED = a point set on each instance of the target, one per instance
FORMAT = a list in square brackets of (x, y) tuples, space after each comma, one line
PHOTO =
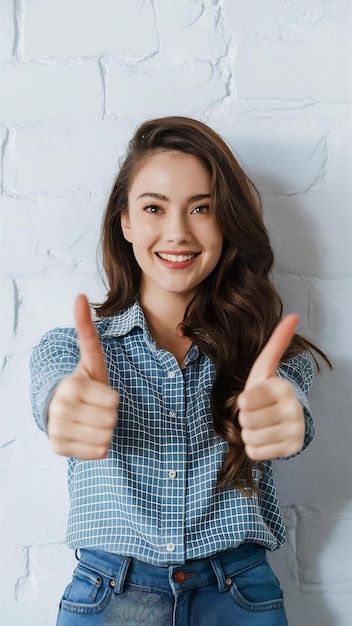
[(173, 400)]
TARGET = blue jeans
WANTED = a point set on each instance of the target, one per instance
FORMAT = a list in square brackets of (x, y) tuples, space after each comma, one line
[(235, 587)]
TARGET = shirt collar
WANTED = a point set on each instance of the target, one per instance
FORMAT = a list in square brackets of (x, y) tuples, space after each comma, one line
[(133, 317), (124, 322)]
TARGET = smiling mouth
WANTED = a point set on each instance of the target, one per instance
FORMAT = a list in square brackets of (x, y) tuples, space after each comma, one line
[(177, 258)]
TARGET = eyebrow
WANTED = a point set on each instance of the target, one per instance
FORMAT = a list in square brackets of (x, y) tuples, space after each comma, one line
[(159, 196)]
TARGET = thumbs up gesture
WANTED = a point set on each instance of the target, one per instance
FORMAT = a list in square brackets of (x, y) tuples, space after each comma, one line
[(82, 411), (270, 415)]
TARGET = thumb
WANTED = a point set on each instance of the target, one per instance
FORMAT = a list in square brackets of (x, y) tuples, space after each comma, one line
[(267, 362), (92, 359)]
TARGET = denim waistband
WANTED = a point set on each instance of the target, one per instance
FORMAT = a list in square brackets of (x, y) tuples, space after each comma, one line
[(218, 568)]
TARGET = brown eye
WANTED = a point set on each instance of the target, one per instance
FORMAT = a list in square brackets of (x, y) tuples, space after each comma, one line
[(201, 209), (152, 208)]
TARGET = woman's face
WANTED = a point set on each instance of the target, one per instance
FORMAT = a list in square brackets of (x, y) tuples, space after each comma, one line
[(176, 240)]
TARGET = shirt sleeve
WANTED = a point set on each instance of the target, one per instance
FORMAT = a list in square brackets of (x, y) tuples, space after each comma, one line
[(54, 358), (299, 372)]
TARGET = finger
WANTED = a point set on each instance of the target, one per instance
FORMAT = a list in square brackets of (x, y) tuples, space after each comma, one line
[(95, 417), (267, 362), (263, 436), (266, 453), (87, 435), (97, 394), (92, 359), (265, 394), (79, 450), (257, 420), (278, 450), (73, 389)]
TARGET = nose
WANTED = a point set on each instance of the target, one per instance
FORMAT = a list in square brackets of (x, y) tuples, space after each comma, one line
[(178, 229)]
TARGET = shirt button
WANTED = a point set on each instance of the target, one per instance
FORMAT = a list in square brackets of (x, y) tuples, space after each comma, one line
[(172, 474), (170, 547), (172, 414), (171, 374)]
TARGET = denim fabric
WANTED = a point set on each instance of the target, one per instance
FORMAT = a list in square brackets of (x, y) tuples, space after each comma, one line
[(233, 588)]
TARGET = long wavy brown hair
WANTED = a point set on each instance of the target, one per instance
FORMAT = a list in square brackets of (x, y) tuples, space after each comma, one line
[(237, 307)]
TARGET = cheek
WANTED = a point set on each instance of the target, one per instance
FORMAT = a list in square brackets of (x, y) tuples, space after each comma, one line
[(216, 242)]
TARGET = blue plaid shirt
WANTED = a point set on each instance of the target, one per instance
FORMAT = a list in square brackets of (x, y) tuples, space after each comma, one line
[(154, 497)]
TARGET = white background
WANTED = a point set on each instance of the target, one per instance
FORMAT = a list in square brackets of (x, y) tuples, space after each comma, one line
[(273, 77)]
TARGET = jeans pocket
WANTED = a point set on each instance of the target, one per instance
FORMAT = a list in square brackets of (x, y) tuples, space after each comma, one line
[(89, 592), (257, 588)]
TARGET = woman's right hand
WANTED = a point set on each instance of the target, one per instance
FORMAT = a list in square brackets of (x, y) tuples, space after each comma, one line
[(82, 413)]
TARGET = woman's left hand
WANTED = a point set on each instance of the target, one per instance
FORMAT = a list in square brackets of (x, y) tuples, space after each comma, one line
[(270, 414)]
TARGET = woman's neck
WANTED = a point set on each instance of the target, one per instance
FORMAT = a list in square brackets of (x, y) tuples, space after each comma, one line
[(163, 317)]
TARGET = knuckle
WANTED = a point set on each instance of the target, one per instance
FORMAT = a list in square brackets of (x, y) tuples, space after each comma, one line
[(114, 397), (101, 452), (251, 452), (68, 386), (286, 387), (57, 448), (245, 436)]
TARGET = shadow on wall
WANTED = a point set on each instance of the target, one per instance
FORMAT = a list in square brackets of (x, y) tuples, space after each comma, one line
[(314, 488)]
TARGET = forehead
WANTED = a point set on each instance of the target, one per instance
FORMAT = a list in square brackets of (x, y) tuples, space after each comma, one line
[(168, 168)]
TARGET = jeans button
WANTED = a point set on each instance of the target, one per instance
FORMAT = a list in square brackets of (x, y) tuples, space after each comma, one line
[(180, 577)]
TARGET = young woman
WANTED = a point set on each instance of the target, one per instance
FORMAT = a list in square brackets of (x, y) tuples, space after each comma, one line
[(172, 406)]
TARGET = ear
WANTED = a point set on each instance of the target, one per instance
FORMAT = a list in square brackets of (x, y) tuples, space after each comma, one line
[(126, 226)]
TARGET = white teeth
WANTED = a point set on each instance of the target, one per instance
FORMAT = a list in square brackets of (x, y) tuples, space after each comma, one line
[(176, 258)]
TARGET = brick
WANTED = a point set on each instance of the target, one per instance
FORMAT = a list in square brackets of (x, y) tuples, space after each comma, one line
[(311, 253), (89, 29), (7, 32), (54, 229), (329, 318), (338, 180), (318, 568), (8, 313), (301, 54), (36, 486), (69, 159), (51, 91), (294, 292), (53, 583), (15, 559), (315, 224), (20, 440), (292, 71), (282, 156), (17, 244), (248, 20), (128, 86), (48, 299), (29, 597), (323, 609), (188, 32)]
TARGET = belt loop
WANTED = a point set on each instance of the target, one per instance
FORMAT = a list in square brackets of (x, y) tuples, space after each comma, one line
[(121, 576), (218, 571)]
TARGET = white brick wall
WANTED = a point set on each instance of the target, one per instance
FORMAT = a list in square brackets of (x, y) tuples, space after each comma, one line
[(274, 78)]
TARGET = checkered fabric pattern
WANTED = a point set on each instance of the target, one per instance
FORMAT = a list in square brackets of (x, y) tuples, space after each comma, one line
[(154, 496)]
